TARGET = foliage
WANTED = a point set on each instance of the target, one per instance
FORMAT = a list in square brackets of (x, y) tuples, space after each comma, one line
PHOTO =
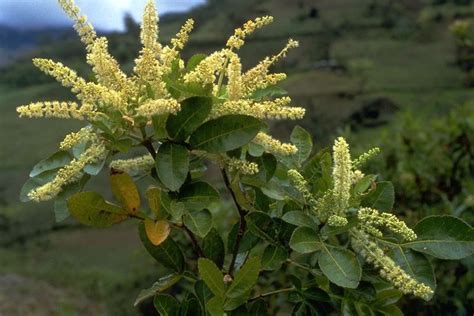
[(314, 224), (440, 185)]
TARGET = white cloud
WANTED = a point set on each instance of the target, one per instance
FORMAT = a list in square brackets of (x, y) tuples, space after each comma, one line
[(104, 14)]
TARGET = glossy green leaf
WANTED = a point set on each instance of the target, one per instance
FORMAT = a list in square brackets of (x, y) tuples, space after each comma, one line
[(317, 171), (203, 294), (382, 198), (125, 190), (340, 266), (215, 306), (225, 133), (273, 257), (172, 165), (268, 92), (212, 276), (299, 218), (193, 113), (199, 222), (161, 285), (166, 305), (304, 142), (261, 225), (213, 247), (36, 182), (245, 278), (415, 264), (194, 61), (90, 208), (55, 161), (305, 240), (167, 253), (443, 237), (198, 195)]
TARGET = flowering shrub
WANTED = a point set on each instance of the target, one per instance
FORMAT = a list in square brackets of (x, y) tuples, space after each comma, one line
[(316, 224)]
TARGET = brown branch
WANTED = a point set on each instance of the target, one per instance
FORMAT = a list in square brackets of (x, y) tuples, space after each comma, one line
[(242, 225), (193, 239)]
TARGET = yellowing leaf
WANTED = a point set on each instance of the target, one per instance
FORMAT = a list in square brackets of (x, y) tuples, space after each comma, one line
[(125, 190), (158, 231), (153, 196)]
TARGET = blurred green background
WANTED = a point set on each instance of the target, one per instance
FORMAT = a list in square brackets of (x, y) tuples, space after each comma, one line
[(394, 74)]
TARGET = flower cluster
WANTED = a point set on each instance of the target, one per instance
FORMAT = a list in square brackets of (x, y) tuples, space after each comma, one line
[(245, 167), (68, 174), (117, 103), (373, 254), (134, 165), (370, 217)]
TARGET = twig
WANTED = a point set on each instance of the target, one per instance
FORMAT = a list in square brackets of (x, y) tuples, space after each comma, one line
[(191, 236), (288, 289), (242, 225)]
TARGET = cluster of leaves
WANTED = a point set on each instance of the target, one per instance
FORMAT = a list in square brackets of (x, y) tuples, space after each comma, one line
[(297, 232), (439, 185), (274, 238)]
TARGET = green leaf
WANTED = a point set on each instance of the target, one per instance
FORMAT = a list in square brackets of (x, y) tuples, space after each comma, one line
[(166, 305), (258, 308), (305, 240), (167, 253), (215, 306), (96, 167), (317, 171), (268, 92), (61, 212), (298, 218), (198, 195), (328, 230), (194, 112), (245, 278), (125, 190), (203, 294), (225, 133), (55, 161), (199, 222), (90, 208), (248, 241), (36, 182), (194, 61), (304, 142), (161, 285), (273, 257), (261, 225), (267, 164), (415, 264), (381, 198), (212, 276), (340, 266), (159, 125), (172, 165), (443, 237), (213, 247)]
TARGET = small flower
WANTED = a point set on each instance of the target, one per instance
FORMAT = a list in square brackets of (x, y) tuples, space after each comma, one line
[(245, 167), (342, 175), (84, 135), (157, 107), (273, 145), (372, 217), (68, 174), (135, 165)]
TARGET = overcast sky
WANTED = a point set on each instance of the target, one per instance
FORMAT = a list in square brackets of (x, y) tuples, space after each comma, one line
[(104, 14)]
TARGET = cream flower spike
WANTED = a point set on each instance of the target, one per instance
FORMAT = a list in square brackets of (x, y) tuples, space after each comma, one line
[(342, 175)]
